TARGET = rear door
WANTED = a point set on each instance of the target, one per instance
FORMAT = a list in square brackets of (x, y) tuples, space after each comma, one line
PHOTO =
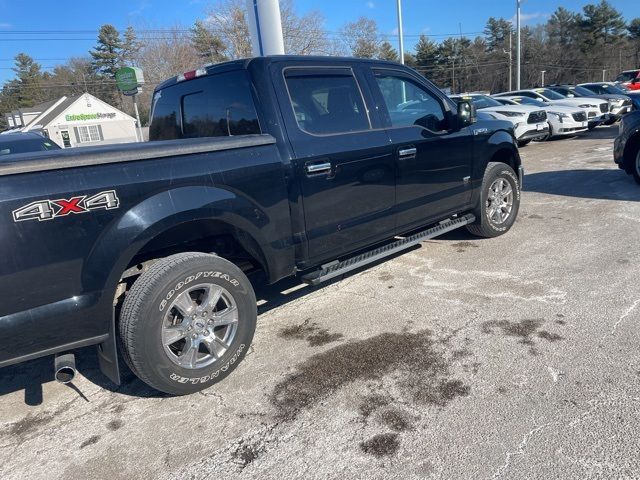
[(434, 159), (343, 159)]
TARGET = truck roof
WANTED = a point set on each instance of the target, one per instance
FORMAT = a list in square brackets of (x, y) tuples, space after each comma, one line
[(266, 60)]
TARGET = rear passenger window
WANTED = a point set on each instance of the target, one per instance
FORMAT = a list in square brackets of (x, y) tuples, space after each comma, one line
[(212, 106), (326, 101)]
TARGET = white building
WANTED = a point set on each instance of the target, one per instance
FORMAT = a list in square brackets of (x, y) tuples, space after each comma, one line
[(76, 121)]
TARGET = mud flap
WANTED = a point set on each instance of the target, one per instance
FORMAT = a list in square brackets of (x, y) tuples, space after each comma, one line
[(108, 355)]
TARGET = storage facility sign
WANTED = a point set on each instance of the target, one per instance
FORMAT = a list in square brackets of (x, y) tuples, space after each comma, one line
[(129, 80), (82, 117)]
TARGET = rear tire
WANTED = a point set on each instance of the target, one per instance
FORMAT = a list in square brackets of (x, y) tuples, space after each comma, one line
[(203, 302), (499, 201), (636, 167)]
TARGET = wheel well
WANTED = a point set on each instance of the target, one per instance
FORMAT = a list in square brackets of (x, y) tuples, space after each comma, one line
[(505, 155), (206, 236)]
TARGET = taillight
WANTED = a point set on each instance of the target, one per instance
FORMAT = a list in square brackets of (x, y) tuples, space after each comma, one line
[(190, 75)]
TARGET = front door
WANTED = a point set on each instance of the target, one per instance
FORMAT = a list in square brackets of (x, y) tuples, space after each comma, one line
[(66, 140), (434, 159), (345, 167)]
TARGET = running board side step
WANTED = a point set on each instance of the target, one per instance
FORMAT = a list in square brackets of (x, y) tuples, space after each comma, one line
[(335, 269)]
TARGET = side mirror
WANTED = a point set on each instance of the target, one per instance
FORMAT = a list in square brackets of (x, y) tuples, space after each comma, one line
[(466, 114)]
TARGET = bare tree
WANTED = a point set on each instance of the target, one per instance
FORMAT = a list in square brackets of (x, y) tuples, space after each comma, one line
[(361, 38), (162, 56), (303, 35), (228, 21)]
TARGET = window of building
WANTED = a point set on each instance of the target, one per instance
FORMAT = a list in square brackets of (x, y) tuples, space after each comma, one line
[(88, 133), (326, 101), (411, 104)]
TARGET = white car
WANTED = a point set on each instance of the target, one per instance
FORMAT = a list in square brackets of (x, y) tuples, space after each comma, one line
[(529, 123), (563, 121), (596, 108)]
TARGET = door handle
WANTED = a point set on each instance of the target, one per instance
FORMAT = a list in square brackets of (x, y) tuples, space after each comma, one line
[(408, 152), (318, 168)]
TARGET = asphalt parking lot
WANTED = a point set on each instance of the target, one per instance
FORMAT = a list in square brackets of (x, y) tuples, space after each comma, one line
[(510, 358)]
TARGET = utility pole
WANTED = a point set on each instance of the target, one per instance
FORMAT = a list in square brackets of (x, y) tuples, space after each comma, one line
[(518, 60), (510, 52), (453, 76), (604, 75), (400, 36), (543, 72)]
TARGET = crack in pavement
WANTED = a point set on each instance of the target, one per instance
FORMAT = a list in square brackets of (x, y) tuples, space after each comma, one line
[(623, 316), (520, 451)]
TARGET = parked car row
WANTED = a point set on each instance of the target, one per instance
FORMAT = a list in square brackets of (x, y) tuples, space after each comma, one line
[(557, 110)]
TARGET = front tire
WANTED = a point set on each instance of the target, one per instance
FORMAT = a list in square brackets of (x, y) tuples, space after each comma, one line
[(499, 201), (187, 322), (636, 167), (523, 143)]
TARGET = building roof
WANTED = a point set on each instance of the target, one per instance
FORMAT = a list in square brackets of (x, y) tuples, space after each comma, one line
[(61, 107), (41, 107)]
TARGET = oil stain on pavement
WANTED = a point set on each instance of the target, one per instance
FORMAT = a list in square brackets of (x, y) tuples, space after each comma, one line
[(311, 332), (526, 331), (423, 366)]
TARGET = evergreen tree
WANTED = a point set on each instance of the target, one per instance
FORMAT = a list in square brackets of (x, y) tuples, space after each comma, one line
[(107, 55), (563, 27), (410, 59), (208, 46), (602, 25), (387, 52), (130, 47), (27, 87), (497, 33), (426, 52), (634, 37)]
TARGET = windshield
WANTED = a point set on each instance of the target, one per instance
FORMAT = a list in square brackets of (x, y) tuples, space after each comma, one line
[(529, 101), (550, 94), (627, 76), (26, 145), (613, 89), (583, 92), (483, 101)]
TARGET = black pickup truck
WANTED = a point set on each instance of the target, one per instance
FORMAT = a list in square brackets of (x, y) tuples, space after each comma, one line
[(626, 150), (294, 165)]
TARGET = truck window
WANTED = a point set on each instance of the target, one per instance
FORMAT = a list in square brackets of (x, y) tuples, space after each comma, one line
[(410, 104), (212, 106), (326, 101)]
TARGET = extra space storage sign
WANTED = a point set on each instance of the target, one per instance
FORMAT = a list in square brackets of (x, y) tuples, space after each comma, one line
[(83, 117)]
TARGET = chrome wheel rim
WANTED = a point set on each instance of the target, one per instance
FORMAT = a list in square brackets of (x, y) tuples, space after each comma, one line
[(499, 201), (199, 326)]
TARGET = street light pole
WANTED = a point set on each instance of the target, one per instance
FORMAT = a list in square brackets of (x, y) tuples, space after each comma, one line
[(604, 75), (518, 60), (510, 53), (543, 72), (400, 36)]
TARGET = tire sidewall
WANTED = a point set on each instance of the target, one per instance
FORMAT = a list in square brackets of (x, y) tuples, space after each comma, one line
[(636, 167), (496, 172), (165, 374)]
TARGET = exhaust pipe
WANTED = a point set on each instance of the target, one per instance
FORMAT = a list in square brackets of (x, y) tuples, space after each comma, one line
[(64, 367)]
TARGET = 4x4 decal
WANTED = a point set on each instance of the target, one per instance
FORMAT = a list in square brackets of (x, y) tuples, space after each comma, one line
[(43, 210)]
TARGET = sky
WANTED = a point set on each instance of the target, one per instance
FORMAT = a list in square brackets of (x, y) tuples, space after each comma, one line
[(76, 23)]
